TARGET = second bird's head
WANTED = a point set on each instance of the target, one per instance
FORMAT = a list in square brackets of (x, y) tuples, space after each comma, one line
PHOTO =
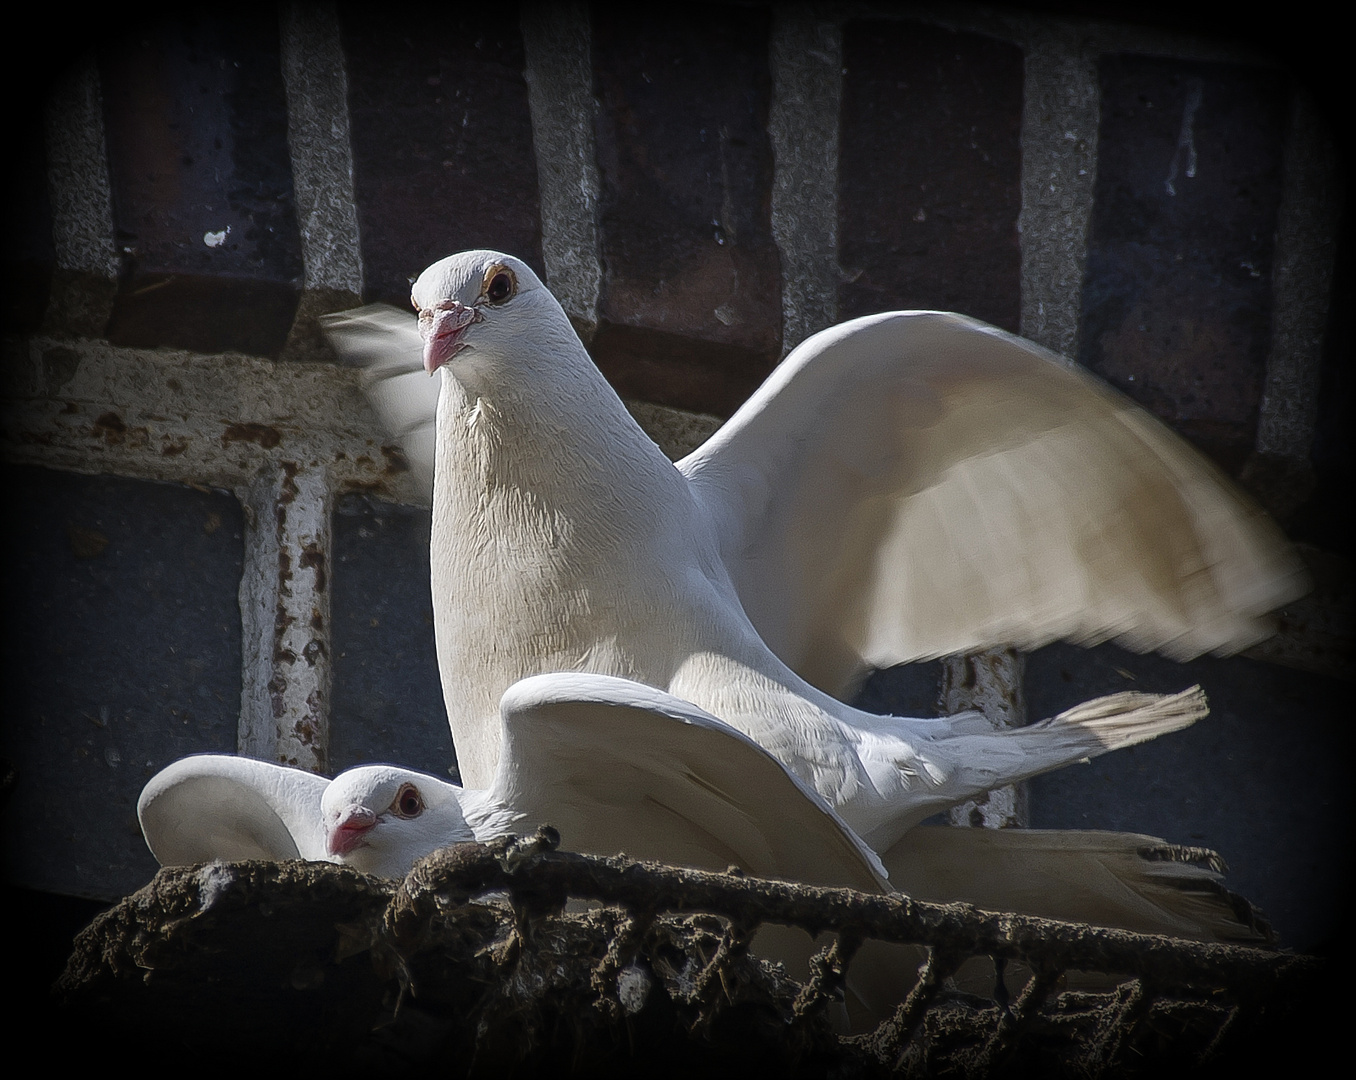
[(380, 819)]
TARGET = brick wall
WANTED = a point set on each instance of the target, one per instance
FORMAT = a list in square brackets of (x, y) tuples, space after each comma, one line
[(215, 546)]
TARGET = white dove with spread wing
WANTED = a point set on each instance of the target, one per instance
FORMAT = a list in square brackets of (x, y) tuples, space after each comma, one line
[(903, 486)]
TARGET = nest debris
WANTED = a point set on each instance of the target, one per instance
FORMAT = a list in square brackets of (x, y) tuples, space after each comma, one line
[(480, 961)]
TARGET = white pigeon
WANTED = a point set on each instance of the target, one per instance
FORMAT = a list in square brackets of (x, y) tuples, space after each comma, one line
[(903, 486)]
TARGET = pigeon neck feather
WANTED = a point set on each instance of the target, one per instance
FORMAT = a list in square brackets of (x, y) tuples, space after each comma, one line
[(544, 548), (510, 419)]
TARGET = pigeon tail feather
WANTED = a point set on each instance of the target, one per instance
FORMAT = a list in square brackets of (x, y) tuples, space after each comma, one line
[(963, 764), (1130, 717)]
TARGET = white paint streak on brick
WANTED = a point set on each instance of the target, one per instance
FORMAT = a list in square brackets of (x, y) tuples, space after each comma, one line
[(807, 91), (318, 136), (557, 40), (77, 174), (285, 617)]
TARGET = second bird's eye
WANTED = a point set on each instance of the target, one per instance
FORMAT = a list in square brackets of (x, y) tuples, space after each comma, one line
[(408, 803), (500, 287)]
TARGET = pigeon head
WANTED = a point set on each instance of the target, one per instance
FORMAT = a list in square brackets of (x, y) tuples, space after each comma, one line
[(380, 819), (472, 303)]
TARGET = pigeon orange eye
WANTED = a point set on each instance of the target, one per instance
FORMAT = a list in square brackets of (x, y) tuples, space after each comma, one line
[(500, 287), (408, 802)]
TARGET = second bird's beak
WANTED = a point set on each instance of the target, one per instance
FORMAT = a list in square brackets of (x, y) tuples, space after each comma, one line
[(347, 833)]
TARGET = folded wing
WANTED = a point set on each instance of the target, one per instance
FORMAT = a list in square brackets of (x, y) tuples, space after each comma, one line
[(620, 767)]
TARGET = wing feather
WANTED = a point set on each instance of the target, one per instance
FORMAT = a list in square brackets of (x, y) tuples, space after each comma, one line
[(917, 484), (384, 343), (617, 766), (214, 806), (1123, 880)]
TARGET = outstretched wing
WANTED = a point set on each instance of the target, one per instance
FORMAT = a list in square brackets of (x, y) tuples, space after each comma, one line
[(916, 484), (213, 806), (384, 343), (617, 766)]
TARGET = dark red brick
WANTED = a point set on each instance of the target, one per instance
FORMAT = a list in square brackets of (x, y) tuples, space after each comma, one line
[(197, 144), (1177, 299), (690, 312), (442, 142), (929, 172)]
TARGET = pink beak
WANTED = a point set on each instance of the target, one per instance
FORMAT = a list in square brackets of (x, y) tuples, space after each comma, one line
[(442, 332), (347, 833)]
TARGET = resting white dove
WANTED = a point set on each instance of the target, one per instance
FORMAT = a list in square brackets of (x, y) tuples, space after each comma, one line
[(903, 486)]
